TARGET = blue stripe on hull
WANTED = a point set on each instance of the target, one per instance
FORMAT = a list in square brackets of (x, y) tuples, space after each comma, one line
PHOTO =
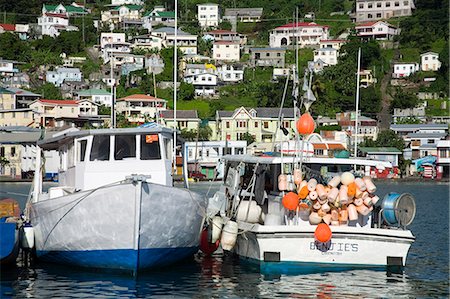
[(123, 259), (307, 268), (9, 242)]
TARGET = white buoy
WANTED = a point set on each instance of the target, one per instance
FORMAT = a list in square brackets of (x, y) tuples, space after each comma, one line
[(28, 236), (254, 212), (347, 178), (229, 235), (217, 224)]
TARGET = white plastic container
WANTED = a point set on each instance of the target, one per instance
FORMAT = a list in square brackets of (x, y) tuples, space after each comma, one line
[(28, 236), (254, 212), (216, 227), (229, 235)]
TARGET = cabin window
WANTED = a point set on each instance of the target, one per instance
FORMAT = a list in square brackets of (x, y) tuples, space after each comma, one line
[(168, 148), (81, 150), (100, 148), (150, 149), (124, 147)]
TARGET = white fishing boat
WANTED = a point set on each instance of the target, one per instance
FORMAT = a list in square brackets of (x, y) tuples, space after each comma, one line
[(115, 205), (258, 227)]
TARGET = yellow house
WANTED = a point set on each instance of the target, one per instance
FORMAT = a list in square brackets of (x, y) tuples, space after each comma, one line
[(261, 123), (17, 117), (47, 111), (12, 154), (186, 119), (138, 107), (7, 100)]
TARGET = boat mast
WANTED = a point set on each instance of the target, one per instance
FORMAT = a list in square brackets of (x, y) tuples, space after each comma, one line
[(357, 105), (175, 69)]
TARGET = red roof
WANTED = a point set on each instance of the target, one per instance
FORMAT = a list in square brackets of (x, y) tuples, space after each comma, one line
[(139, 97), (368, 24), (301, 24), (331, 146), (56, 15), (59, 102), (8, 27)]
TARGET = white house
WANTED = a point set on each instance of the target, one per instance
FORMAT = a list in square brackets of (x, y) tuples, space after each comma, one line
[(70, 10), (186, 42), (205, 84), (158, 15), (21, 30), (122, 13), (111, 38), (197, 69), (331, 43), (429, 61), (226, 51), (379, 30), (138, 107), (62, 75), (123, 2), (147, 41), (231, 73), (327, 55), (404, 69), (370, 10), (8, 67), (308, 34), (225, 35), (208, 14), (99, 96), (52, 24)]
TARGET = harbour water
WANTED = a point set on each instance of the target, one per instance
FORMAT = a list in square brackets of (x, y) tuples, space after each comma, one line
[(425, 276)]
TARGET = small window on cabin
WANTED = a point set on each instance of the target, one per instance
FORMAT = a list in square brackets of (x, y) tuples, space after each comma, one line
[(81, 150), (150, 149), (100, 148), (124, 147), (168, 148)]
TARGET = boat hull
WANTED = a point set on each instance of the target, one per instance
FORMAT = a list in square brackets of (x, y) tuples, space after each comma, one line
[(130, 226), (293, 249), (9, 243)]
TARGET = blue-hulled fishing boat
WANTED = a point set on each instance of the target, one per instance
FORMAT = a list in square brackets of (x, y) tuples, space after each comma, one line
[(115, 206), (9, 231)]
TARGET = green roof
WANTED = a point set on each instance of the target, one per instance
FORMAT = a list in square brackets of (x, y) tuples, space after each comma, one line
[(129, 6), (50, 7), (69, 8), (5, 91), (166, 14), (392, 150), (90, 92)]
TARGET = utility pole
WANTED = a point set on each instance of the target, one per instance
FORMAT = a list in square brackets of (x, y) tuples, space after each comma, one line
[(357, 104)]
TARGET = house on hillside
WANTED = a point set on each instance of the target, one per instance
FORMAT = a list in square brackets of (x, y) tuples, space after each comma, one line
[(138, 108), (371, 10), (21, 30), (328, 55), (387, 154), (379, 30), (429, 61), (208, 15), (99, 96), (231, 72), (62, 75), (205, 84), (124, 2), (308, 34), (75, 9), (331, 43), (225, 35), (243, 15), (186, 42), (367, 127), (158, 15), (267, 57), (404, 69), (186, 119), (366, 78), (154, 64), (53, 24), (226, 51), (124, 16), (147, 42)]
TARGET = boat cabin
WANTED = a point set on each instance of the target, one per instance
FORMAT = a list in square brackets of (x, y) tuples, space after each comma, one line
[(94, 158)]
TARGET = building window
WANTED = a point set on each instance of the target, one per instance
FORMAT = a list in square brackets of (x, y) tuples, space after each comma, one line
[(378, 4), (405, 3), (266, 125), (256, 124), (227, 124), (13, 151), (388, 4), (430, 141), (361, 6), (370, 16), (379, 16), (369, 5), (396, 4)]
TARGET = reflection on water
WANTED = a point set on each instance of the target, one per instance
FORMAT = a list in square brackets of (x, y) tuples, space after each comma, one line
[(210, 277), (426, 273)]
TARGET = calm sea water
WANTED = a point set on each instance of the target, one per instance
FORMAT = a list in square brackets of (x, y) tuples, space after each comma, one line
[(426, 274)]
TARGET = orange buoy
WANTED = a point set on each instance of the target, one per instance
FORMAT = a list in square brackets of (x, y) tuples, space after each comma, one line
[(306, 124), (323, 233), (290, 201), (205, 246), (351, 191), (303, 192)]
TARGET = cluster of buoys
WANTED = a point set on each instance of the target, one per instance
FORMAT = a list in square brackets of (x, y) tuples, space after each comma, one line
[(340, 201)]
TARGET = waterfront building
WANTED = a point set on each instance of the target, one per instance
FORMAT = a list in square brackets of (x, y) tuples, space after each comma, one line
[(261, 123), (186, 119)]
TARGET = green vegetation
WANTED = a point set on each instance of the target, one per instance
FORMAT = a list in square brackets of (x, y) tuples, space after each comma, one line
[(438, 107)]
